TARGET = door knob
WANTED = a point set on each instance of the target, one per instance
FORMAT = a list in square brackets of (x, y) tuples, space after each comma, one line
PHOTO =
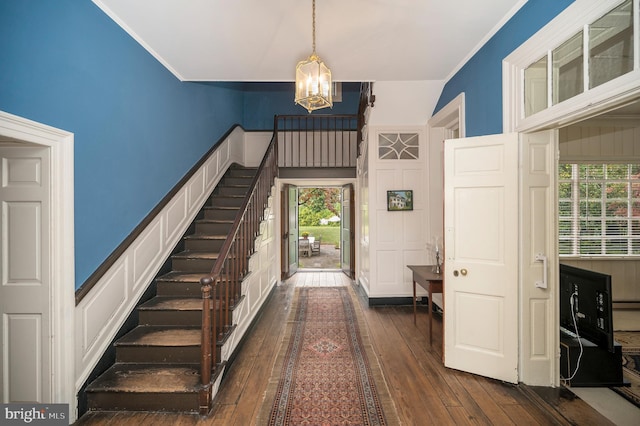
[(455, 273), (463, 272)]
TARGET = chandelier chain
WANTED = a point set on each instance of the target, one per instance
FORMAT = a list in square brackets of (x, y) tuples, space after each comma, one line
[(313, 26)]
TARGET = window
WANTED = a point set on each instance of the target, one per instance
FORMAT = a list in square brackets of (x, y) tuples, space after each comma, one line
[(570, 66), (599, 210)]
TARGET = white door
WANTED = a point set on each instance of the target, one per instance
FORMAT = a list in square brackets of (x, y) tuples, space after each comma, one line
[(481, 247), (540, 337), (25, 288)]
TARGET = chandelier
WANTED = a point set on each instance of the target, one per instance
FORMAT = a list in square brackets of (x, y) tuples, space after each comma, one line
[(313, 78)]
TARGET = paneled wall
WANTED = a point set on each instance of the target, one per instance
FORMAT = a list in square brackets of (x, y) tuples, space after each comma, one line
[(602, 140), (606, 140), (397, 161)]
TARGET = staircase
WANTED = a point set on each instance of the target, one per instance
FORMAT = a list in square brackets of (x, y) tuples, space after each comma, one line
[(157, 364)]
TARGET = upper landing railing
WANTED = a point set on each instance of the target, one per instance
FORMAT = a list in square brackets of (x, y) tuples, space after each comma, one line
[(317, 141)]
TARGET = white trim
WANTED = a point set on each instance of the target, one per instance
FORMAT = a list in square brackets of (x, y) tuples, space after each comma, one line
[(451, 116), (592, 102), (111, 14), (61, 250), (486, 38)]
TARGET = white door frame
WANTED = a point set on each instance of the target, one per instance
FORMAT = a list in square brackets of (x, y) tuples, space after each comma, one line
[(61, 250)]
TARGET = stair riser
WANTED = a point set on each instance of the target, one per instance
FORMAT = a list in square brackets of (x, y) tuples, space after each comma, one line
[(158, 355), (179, 289), (241, 173), (226, 201), (212, 228), (232, 190), (203, 245), (203, 266), (171, 402), (235, 181), (220, 214), (178, 318)]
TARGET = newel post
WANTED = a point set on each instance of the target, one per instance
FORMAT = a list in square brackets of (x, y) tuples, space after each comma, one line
[(205, 348)]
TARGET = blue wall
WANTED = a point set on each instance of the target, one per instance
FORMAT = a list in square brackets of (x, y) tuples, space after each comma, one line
[(264, 100), (137, 128), (481, 77)]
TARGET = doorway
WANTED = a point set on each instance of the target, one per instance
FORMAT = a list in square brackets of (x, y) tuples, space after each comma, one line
[(36, 145), (317, 226)]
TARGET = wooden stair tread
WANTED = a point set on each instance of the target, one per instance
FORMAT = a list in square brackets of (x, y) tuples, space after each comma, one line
[(229, 221), (142, 378), (181, 277), (201, 236), (196, 255), (165, 336)]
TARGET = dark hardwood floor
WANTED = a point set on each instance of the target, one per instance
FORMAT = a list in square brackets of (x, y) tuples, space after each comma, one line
[(424, 391)]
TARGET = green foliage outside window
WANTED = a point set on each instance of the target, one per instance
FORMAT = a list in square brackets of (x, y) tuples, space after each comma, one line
[(599, 209)]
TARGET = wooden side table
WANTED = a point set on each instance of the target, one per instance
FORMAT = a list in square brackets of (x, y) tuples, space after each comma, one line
[(430, 281)]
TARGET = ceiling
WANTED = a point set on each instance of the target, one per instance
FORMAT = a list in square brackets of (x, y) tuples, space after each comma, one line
[(262, 40)]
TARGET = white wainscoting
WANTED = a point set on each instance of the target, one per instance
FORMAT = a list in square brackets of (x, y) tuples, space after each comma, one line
[(105, 308), (258, 284)]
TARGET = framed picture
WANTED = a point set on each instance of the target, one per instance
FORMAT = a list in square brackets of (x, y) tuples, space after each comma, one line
[(400, 200)]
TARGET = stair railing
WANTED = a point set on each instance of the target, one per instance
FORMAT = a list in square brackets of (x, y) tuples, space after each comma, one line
[(221, 289), (317, 140)]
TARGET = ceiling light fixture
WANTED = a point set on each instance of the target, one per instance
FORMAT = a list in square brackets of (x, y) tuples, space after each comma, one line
[(313, 78)]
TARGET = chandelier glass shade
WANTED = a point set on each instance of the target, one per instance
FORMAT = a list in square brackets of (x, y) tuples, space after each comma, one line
[(313, 79)]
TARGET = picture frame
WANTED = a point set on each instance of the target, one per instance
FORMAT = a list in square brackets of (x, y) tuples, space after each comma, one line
[(400, 200)]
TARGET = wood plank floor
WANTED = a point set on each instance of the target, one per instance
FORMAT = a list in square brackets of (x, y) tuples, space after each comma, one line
[(424, 391)]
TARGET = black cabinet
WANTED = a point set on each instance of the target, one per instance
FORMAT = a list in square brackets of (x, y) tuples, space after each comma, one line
[(598, 367)]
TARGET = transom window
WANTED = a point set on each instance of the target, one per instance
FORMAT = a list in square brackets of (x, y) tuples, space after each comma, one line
[(599, 210), (600, 52)]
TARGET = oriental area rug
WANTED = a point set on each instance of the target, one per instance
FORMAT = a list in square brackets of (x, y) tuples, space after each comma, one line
[(326, 372), (630, 341)]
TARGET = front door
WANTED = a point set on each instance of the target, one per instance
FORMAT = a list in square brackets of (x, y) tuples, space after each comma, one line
[(289, 204), (481, 247), (347, 247), (25, 286)]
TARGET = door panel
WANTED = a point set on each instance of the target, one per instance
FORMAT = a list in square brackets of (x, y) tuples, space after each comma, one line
[(293, 228), (539, 307), (347, 246), (481, 246), (25, 291)]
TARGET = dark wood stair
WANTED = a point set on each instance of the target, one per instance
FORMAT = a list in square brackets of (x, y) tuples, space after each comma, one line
[(157, 363)]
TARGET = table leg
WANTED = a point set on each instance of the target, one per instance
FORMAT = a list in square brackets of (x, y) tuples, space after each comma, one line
[(414, 303), (430, 314)]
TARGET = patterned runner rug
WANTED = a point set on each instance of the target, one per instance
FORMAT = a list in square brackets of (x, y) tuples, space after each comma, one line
[(326, 372), (630, 341)]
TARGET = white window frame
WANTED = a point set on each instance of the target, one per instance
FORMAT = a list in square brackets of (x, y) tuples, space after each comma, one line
[(597, 100), (575, 200)]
